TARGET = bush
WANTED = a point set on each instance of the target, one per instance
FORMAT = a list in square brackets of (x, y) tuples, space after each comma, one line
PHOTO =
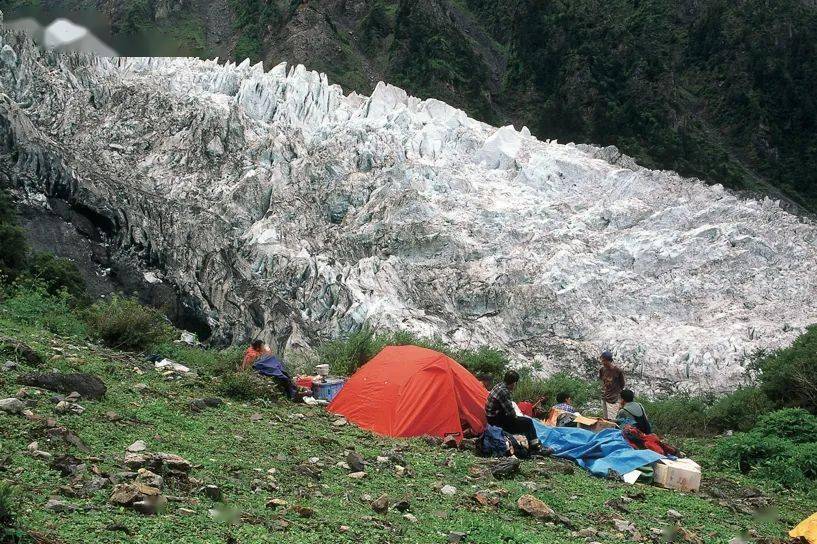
[(789, 376), (123, 323), (57, 275), (9, 532), (681, 415), (740, 410), (345, 356), (13, 250), (804, 456), (248, 386), (32, 304), (744, 451), (794, 424), (532, 389), (485, 361)]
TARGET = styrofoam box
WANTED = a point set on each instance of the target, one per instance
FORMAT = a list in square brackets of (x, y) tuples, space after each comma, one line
[(683, 474)]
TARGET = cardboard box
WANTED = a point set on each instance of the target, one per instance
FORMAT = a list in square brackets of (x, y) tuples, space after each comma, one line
[(683, 474), (594, 424)]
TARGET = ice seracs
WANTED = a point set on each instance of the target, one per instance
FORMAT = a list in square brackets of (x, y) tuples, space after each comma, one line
[(285, 208)]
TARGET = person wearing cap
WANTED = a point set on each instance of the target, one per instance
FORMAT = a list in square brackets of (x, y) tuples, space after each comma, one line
[(612, 383)]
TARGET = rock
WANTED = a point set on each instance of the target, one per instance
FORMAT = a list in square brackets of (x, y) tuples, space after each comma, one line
[(355, 461), (344, 528), (9, 366), (62, 407), (213, 492), (34, 446), (382, 459), (674, 515), (304, 512), (276, 503), (149, 478), (535, 507), (11, 406), (199, 405), (410, 517), (357, 475), (256, 417), (402, 506), (113, 417), (381, 504), (66, 465), (623, 526), (456, 536), (135, 460), (506, 468), (339, 422), (74, 396), (124, 495), (587, 532), (19, 349), (486, 498), (448, 490), (138, 446), (185, 512), (56, 505), (87, 385), (174, 462)]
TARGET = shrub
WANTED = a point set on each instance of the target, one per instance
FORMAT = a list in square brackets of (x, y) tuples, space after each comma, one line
[(248, 386), (740, 410), (9, 532), (532, 389), (681, 415), (345, 356), (789, 376), (485, 361), (795, 424), (31, 303), (744, 451), (123, 323), (804, 456), (57, 275), (13, 250)]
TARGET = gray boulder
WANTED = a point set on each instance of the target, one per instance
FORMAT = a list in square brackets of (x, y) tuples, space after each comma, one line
[(87, 385)]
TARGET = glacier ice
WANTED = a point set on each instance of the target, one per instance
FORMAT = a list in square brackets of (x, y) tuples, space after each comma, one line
[(291, 211)]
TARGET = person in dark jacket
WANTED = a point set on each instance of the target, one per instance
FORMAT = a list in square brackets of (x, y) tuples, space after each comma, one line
[(500, 412), (632, 413), (612, 383)]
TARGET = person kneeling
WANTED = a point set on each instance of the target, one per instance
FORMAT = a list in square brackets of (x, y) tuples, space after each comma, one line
[(500, 411)]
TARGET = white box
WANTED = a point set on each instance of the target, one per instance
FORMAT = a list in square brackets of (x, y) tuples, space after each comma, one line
[(683, 474)]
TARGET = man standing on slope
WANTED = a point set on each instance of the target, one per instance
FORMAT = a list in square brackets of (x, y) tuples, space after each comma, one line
[(612, 383), (500, 412)]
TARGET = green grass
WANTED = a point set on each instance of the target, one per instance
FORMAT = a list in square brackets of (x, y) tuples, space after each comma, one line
[(230, 451)]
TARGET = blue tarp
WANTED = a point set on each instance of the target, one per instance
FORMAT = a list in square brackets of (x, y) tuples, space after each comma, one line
[(597, 452), (269, 365)]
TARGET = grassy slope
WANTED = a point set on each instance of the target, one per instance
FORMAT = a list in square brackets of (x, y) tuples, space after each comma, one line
[(230, 451)]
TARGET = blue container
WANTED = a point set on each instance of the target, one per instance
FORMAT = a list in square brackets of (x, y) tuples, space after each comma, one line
[(327, 390)]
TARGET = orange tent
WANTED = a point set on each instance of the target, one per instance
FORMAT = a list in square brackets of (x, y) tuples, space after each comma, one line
[(413, 391)]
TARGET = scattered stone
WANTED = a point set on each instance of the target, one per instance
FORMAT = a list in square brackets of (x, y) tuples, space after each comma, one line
[(486, 498), (256, 417), (56, 505), (456, 537), (73, 397), (199, 405), (41, 455), (340, 422), (185, 512), (344, 529), (448, 490), (34, 446), (674, 515), (276, 503), (401, 506), (623, 526), (534, 507), (213, 492), (11, 406), (355, 461), (62, 407), (9, 366), (382, 459), (357, 475), (87, 385), (67, 465), (304, 512), (381, 504), (147, 477), (587, 532), (19, 349), (410, 517), (140, 387), (506, 468), (137, 446)]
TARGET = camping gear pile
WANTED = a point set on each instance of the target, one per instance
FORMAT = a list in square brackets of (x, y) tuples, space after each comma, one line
[(408, 391), (319, 388)]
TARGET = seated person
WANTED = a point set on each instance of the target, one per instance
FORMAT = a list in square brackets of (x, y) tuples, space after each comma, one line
[(256, 350), (632, 413), (564, 402), (500, 411)]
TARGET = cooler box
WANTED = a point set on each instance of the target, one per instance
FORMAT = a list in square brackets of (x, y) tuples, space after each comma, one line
[(328, 389), (683, 474)]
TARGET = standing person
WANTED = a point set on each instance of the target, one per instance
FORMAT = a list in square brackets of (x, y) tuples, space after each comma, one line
[(612, 383), (500, 413)]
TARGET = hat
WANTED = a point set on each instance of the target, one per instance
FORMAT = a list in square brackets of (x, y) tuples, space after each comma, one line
[(607, 355)]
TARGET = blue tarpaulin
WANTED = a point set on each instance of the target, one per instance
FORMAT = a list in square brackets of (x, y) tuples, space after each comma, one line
[(597, 452)]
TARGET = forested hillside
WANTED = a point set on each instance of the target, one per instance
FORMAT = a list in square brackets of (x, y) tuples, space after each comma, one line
[(717, 89)]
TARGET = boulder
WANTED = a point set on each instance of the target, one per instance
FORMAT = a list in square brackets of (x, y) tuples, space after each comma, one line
[(87, 385), (534, 507), (355, 462), (506, 468), (11, 406), (381, 504)]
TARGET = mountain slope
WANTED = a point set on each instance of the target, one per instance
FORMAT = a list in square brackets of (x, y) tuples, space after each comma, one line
[(280, 206)]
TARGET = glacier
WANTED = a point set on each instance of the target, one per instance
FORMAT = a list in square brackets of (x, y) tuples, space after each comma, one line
[(288, 210)]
